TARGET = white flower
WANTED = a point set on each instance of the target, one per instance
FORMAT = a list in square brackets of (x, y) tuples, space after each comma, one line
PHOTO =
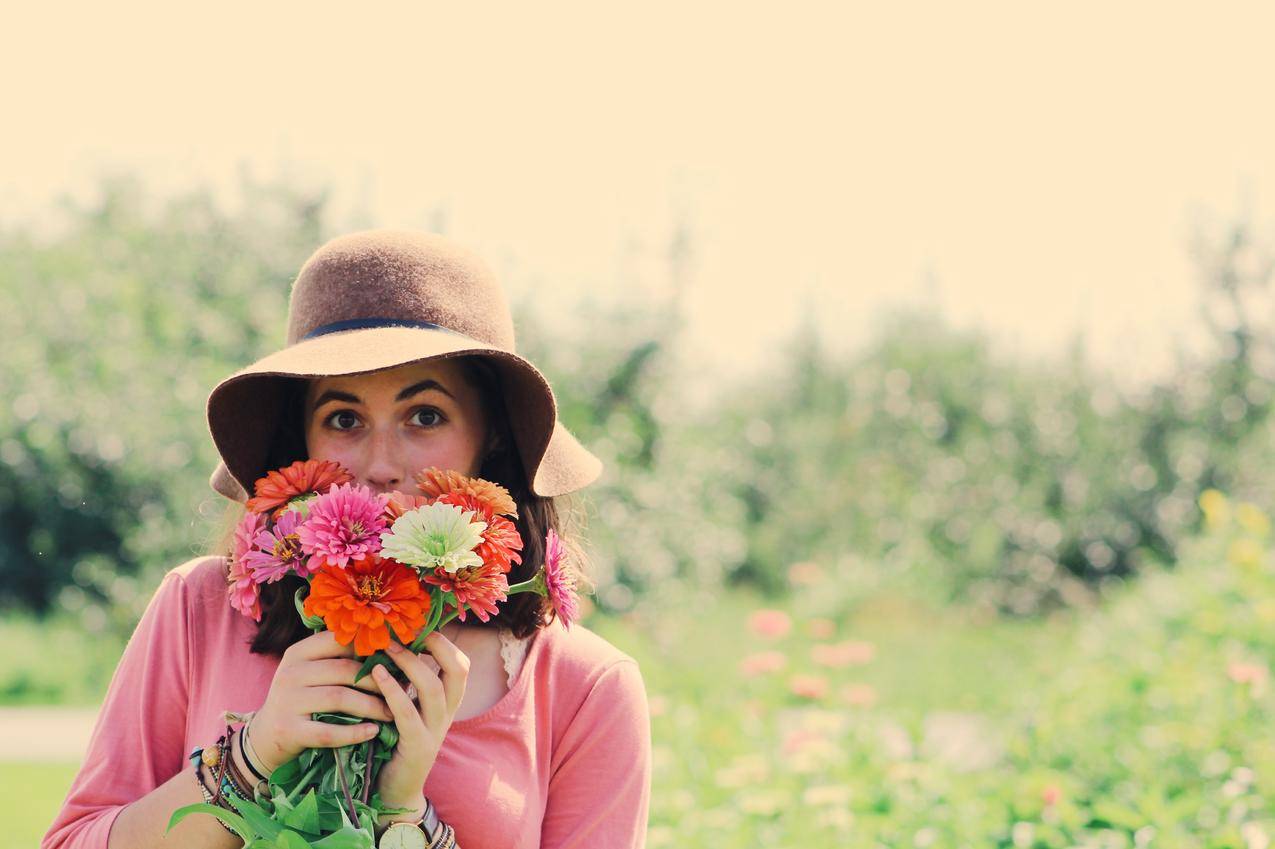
[(435, 535)]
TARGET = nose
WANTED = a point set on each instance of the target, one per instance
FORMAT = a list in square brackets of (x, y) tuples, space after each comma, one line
[(382, 471)]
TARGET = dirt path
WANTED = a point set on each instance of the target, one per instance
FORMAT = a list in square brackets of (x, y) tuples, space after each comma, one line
[(42, 733)]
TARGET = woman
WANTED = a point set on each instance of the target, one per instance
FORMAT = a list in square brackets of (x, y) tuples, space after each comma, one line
[(515, 732)]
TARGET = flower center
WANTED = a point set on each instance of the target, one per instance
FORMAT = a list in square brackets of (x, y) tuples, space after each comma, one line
[(353, 527), (369, 587), (287, 547)]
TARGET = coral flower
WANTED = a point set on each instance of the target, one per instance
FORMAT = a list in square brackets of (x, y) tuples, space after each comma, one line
[(344, 523), (559, 581), (277, 551), (475, 587), (277, 488), (495, 499), (359, 600), (501, 541), (400, 503), (245, 595)]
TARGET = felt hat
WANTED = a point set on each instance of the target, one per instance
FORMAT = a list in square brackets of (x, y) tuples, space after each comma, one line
[(381, 298)]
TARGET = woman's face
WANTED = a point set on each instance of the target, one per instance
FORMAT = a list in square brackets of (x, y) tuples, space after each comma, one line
[(386, 426)]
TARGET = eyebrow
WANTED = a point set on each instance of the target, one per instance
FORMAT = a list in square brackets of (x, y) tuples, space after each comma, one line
[(407, 392)]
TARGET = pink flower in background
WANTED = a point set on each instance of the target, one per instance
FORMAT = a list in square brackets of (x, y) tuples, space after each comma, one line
[(805, 574), (1254, 674), (344, 523), (859, 695), (821, 629), (770, 624), (762, 663), (846, 653), (808, 686), (1051, 794), (276, 551)]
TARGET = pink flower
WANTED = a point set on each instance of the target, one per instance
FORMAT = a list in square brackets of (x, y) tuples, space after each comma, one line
[(276, 551), (842, 654), (1247, 673), (1051, 794), (859, 695), (345, 523), (762, 663), (559, 581), (771, 624), (821, 629), (808, 686), (245, 595)]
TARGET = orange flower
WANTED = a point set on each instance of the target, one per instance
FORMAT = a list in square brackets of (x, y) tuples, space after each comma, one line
[(359, 601), (493, 497), (501, 540), (277, 488)]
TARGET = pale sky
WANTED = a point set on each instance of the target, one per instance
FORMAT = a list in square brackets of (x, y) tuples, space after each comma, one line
[(1036, 169)]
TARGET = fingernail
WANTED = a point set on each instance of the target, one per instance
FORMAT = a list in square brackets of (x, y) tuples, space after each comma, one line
[(395, 647), (379, 671)]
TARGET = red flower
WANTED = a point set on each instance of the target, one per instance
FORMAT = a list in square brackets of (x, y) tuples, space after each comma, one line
[(277, 488), (501, 540), (476, 587)]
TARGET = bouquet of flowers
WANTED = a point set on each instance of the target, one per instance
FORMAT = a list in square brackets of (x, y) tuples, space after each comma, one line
[(377, 567)]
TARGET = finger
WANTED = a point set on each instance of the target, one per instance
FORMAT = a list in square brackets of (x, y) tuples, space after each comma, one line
[(430, 691), (346, 700), (453, 667), (333, 671), (329, 734), (411, 728), (315, 646)]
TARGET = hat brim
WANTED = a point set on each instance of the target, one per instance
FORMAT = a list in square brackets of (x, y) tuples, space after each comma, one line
[(243, 409)]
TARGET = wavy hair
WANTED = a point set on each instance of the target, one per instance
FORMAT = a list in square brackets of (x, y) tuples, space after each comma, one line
[(523, 613)]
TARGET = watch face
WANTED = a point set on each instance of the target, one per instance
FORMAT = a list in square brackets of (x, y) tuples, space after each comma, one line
[(402, 835)]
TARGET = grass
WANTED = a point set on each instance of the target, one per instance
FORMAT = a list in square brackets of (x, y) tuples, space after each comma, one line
[(27, 813)]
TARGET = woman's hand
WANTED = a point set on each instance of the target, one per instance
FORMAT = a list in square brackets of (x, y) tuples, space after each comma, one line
[(421, 729), (314, 676)]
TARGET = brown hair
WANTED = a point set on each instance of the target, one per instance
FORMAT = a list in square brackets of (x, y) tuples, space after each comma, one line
[(522, 613)]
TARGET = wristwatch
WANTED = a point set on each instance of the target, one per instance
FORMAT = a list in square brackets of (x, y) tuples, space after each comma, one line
[(412, 835)]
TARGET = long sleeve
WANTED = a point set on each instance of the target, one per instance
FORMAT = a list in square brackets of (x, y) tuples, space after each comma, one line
[(600, 783), (136, 744)]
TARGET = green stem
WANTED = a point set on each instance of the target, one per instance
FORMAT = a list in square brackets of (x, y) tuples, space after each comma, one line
[(301, 785)]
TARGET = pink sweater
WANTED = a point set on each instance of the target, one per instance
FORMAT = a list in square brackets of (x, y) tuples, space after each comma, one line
[(562, 760)]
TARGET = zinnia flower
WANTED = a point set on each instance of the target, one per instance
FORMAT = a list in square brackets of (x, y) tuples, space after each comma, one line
[(344, 523), (436, 536), (769, 623), (277, 488), (277, 551), (495, 498), (358, 601), (245, 595), (501, 541), (476, 587), (400, 503), (559, 581)]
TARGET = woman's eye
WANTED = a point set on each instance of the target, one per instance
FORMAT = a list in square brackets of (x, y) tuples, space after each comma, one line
[(427, 411), (342, 415)]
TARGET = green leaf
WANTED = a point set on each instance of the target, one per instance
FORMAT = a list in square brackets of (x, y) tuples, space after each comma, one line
[(259, 820), (314, 623), (378, 658), (228, 817), (305, 816), (291, 840)]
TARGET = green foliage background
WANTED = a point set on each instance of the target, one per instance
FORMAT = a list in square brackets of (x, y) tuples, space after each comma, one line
[(1022, 542)]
